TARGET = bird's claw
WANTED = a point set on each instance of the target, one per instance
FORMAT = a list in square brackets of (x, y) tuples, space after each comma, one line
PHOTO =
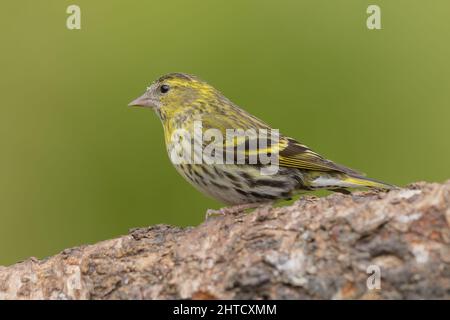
[(234, 210), (213, 212)]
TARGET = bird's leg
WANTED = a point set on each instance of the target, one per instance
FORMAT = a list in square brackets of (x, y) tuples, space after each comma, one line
[(233, 210), (266, 206)]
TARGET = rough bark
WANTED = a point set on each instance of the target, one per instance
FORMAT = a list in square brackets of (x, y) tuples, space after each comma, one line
[(315, 248)]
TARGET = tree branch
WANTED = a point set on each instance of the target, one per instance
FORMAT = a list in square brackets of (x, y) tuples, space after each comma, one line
[(315, 248)]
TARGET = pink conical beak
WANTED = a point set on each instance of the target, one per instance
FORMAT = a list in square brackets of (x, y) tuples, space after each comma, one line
[(143, 101)]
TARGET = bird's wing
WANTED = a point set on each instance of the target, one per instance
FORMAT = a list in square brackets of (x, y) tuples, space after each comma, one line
[(291, 153), (296, 155)]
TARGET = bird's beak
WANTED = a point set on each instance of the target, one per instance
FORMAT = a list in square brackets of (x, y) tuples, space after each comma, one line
[(143, 101)]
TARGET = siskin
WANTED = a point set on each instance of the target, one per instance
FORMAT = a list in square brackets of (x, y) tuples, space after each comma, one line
[(181, 99)]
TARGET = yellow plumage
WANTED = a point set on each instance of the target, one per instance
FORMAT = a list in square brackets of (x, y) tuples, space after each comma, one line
[(180, 100)]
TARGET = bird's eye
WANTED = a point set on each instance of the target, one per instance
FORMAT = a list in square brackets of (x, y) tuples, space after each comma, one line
[(164, 88)]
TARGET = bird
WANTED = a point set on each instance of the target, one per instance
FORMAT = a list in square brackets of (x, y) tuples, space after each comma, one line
[(181, 100)]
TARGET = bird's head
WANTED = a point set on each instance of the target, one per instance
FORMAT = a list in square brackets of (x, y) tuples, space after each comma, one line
[(175, 93)]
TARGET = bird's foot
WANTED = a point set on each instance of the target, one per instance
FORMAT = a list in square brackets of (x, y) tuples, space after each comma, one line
[(234, 210)]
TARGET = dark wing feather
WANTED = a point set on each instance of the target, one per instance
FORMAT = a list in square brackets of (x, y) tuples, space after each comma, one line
[(296, 155), (291, 152)]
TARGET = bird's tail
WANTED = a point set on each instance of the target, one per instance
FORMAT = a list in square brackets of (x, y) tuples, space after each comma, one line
[(347, 180), (360, 181)]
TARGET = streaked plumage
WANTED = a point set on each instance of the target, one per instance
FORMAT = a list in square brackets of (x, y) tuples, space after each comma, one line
[(188, 99)]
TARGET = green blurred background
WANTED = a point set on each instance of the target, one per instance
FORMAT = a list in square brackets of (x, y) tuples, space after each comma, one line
[(78, 166)]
